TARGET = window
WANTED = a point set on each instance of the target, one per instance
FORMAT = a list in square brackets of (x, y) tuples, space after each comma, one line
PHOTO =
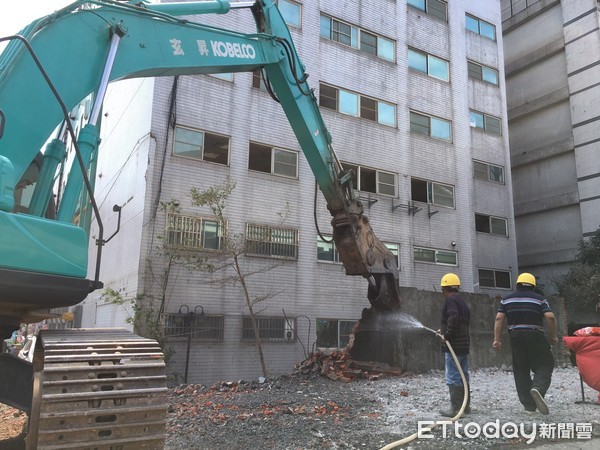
[(291, 12), (193, 233), (351, 103), (277, 161), (201, 145), (491, 225), (269, 328), (481, 72), (372, 180), (257, 81), (488, 172), (274, 242), (431, 255), (431, 126), (223, 76), (490, 278), (436, 8), (485, 122), (200, 327), (433, 193), (333, 333), (358, 38), (429, 64), (326, 250), (481, 27)]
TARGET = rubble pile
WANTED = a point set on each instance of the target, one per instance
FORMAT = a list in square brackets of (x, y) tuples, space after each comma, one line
[(338, 366)]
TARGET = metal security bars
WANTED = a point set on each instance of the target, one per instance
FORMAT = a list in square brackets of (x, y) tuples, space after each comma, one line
[(274, 242), (193, 233), (200, 327), (270, 328)]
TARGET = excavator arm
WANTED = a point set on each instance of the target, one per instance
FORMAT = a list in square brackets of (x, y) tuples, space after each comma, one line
[(60, 59)]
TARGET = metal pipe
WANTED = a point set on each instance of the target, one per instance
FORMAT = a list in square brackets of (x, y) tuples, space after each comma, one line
[(112, 52)]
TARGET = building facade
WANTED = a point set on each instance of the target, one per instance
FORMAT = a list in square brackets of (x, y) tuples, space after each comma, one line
[(551, 54), (413, 94)]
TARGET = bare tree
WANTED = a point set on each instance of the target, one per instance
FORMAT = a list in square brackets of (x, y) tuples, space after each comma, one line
[(228, 264)]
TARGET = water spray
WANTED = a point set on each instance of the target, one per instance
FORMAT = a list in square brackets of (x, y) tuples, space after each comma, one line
[(460, 412)]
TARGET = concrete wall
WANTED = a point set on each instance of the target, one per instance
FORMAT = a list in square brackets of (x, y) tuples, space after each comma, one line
[(419, 350), (551, 54)]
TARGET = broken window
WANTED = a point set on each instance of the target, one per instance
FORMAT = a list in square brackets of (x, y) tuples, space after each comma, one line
[(334, 333), (376, 181), (433, 193)]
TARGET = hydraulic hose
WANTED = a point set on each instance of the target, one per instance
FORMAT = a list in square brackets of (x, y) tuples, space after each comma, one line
[(458, 415)]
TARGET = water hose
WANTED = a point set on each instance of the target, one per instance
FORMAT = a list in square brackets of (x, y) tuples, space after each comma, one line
[(458, 415)]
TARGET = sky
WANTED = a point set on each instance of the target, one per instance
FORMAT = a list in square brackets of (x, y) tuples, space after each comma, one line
[(15, 14)]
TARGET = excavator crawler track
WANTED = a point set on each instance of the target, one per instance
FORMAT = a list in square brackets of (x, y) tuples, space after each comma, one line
[(97, 389)]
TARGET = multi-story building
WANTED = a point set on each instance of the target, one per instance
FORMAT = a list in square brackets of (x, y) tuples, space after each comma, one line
[(413, 94), (551, 63)]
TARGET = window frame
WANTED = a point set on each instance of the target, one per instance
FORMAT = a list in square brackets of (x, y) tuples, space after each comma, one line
[(201, 148), (288, 329), (485, 119), (393, 247), (358, 176), (198, 225), (488, 171), (270, 242), (428, 58), (481, 72), (490, 225), (430, 192), (273, 152), (415, 126), (326, 100), (342, 340), (479, 23), (495, 272), (427, 7), (436, 252), (283, 14), (356, 37)]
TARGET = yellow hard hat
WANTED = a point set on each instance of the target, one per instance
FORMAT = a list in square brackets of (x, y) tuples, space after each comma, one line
[(450, 279), (526, 278)]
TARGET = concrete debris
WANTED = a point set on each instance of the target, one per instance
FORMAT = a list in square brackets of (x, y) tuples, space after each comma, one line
[(338, 366)]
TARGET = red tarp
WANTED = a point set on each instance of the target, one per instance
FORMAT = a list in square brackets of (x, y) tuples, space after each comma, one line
[(587, 355)]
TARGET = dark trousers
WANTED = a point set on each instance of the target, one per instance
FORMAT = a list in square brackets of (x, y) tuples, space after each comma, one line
[(531, 353)]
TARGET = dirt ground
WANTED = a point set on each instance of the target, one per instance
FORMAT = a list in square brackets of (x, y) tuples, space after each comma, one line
[(309, 411), (313, 412)]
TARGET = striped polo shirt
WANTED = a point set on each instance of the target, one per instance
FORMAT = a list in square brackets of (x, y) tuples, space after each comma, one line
[(524, 309)]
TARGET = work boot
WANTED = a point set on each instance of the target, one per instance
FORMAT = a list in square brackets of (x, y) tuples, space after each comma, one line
[(468, 407), (456, 398), (538, 398)]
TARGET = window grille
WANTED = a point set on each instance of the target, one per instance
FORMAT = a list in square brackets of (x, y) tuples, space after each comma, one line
[(262, 240), (196, 326), (270, 328), (193, 233)]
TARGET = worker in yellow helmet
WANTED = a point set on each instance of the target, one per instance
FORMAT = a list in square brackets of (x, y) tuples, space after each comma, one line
[(456, 319), (526, 311)]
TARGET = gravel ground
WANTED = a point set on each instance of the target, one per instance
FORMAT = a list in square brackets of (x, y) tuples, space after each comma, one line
[(313, 412)]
